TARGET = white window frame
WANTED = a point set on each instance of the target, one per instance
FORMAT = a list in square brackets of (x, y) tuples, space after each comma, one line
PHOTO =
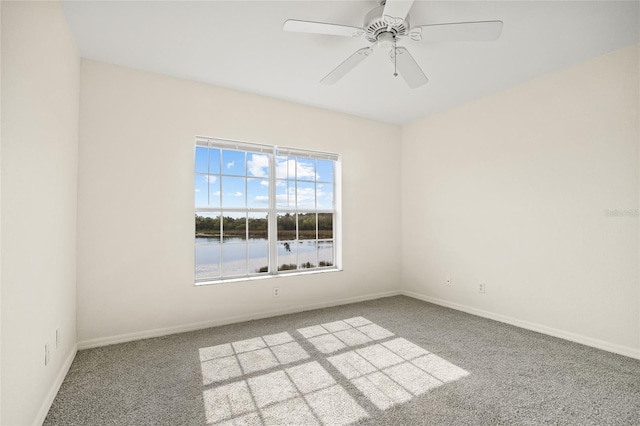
[(275, 151)]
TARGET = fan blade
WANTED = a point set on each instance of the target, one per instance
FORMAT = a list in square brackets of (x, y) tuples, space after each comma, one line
[(397, 9), (350, 63), (460, 31), (321, 28), (408, 67)]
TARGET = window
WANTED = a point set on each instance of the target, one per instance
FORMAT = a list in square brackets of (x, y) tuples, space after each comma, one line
[(262, 210)]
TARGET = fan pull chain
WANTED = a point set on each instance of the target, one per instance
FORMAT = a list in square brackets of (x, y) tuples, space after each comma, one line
[(395, 59)]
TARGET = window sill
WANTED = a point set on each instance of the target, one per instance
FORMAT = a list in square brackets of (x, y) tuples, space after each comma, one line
[(266, 277)]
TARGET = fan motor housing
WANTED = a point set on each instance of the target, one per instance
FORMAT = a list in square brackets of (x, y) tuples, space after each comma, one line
[(374, 25)]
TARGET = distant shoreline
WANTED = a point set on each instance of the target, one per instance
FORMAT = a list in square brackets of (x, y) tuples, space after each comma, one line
[(287, 235)]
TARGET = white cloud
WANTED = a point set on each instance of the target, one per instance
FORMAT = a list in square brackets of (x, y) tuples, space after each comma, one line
[(306, 197), (287, 168), (258, 165), (306, 171), (282, 199), (228, 194), (197, 190), (264, 182), (261, 199), (211, 179), (231, 164)]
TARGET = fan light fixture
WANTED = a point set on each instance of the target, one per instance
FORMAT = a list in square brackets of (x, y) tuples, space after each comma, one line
[(386, 39)]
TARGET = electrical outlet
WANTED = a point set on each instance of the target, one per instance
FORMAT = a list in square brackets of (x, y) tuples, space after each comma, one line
[(58, 338), (448, 280), (276, 291), (481, 287), (46, 354)]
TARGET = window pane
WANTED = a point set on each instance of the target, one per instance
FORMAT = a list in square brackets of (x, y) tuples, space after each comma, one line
[(325, 170), (214, 190), (202, 159), (234, 259), (258, 193), (324, 196), (258, 258), (258, 165), (258, 227), (307, 254), (307, 226), (285, 194), (233, 162), (306, 169), (306, 195), (201, 189), (214, 161), (286, 226), (287, 259), (208, 226), (325, 226), (233, 192), (234, 227), (233, 240), (207, 259), (285, 168), (325, 253)]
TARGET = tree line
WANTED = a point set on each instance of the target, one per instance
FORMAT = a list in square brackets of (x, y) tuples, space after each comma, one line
[(258, 227)]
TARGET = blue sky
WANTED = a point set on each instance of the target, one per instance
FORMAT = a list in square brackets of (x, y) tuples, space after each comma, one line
[(236, 164)]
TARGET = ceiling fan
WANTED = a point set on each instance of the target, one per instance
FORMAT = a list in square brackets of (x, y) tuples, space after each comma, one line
[(387, 24)]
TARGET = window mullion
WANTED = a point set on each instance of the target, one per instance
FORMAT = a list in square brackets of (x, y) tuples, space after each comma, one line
[(273, 217), (246, 215), (296, 216), (208, 174), (220, 246)]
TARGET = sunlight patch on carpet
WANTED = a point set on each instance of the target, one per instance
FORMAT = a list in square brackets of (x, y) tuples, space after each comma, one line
[(270, 380)]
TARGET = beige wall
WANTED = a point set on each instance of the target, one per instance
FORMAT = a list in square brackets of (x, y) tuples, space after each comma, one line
[(135, 216), (513, 190), (40, 95)]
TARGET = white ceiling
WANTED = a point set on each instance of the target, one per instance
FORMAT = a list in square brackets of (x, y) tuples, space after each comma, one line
[(241, 45)]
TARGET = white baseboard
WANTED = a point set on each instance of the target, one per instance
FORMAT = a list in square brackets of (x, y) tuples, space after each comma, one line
[(55, 387), (578, 338), (104, 341)]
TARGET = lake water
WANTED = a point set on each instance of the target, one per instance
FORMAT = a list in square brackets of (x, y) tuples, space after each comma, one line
[(239, 256)]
